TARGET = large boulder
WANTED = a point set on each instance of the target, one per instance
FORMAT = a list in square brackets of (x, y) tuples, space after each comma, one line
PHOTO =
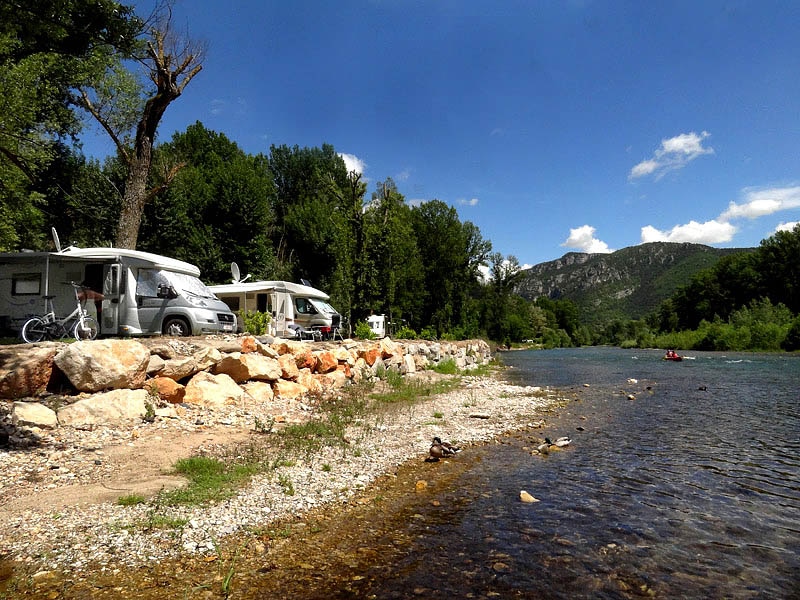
[(207, 389), (260, 391), (110, 408), (93, 366), (288, 366), (246, 367), (33, 414), (26, 373), (289, 389), (167, 389), (326, 362)]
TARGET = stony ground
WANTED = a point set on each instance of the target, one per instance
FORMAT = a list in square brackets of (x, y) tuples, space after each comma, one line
[(58, 488)]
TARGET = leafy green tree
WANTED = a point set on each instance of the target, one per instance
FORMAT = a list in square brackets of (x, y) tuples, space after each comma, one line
[(778, 263), (451, 253), (46, 49), (218, 209), (311, 185), (394, 275)]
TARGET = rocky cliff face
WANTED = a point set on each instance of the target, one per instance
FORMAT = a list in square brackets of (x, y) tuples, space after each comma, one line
[(627, 283)]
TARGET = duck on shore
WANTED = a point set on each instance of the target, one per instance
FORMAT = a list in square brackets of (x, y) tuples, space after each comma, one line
[(440, 449)]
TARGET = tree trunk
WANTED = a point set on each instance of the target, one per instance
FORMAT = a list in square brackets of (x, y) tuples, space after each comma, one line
[(135, 197)]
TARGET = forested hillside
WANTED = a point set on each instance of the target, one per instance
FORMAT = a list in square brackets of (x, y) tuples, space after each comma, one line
[(627, 284)]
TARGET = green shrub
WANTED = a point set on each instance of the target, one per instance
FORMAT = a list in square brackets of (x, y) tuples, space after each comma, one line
[(364, 331), (428, 333), (255, 322), (446, 367), (405, 333)]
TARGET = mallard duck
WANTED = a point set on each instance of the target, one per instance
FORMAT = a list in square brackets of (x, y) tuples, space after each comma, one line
[(562, 442), (440, 449)]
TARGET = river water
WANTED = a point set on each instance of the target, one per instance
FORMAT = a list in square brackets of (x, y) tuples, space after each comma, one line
[(684, 483)]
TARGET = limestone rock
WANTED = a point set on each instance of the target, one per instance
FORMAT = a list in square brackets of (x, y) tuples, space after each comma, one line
[(207, 389), (33, 414), (105, 409), (26, 373), (289, 389), (326, 362), (168, 389), (288, 366), (260, 391), (105, 364)]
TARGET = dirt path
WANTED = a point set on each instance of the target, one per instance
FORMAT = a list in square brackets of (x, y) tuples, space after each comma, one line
[(141, 467)]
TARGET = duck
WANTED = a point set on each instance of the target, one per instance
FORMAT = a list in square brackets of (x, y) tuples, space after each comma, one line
[(440, 449), (562, 442)]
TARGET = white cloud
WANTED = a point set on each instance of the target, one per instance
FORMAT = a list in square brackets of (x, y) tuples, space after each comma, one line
[(582, 238), (470, 202), (403, 175), (217, 106), (710, 232), (353, 163), (786, 226), (759, 203), (674, 153)]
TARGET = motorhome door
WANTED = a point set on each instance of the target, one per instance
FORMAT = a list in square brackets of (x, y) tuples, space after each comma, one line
[(109, 319)]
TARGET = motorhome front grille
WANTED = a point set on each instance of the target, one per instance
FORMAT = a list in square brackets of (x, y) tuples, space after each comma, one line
[(225, 317)]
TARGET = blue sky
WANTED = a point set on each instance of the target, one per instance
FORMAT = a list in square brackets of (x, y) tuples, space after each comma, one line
[(553, 126)]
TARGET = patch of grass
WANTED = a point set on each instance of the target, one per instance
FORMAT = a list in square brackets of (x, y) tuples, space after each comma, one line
[(326, 467), (409, 392), (131, 500), (210, 480), (438, 415), (286, 483), (446, 367)]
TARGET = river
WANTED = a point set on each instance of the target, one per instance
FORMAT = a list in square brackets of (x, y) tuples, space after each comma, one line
[(682, 481)]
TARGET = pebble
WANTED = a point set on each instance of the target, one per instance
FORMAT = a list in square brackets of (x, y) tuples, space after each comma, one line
[(106, 534)]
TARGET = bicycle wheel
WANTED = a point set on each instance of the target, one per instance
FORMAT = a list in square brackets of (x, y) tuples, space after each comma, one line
[(34, 330), (86, 330)]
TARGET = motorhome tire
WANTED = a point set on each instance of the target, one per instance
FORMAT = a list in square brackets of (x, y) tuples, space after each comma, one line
[(88, 331), (176, 326), (34, 330)]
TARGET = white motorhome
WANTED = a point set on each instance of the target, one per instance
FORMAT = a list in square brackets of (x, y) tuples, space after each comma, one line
[(142, 293), (289, 304)]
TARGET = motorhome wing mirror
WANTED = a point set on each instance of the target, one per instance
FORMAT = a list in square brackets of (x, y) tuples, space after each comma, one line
[(166, 291)]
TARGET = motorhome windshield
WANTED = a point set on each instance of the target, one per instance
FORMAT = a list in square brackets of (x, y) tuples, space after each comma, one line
[(149, 280), (323, 306)]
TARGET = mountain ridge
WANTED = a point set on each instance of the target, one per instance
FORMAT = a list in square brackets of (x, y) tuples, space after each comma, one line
[(627, 284)]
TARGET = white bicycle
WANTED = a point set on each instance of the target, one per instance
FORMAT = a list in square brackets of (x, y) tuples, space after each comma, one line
[(78, 323)]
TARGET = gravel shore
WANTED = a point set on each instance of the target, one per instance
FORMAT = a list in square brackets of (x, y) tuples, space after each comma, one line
[(58, 488)]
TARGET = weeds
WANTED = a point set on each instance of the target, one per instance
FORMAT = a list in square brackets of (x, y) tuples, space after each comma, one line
[(210, 480), (131, 500)]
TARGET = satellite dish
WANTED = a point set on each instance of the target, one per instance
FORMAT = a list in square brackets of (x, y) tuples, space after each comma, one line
[(237, 275), (56, 241)]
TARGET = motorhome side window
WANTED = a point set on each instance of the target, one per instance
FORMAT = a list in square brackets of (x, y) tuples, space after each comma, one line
[(29, 284), (303, 306), (148, 281)]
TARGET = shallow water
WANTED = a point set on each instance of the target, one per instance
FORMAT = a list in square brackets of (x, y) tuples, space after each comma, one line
[(690, 490)]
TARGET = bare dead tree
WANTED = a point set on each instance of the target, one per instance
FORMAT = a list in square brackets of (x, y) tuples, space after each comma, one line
[(171, 60)]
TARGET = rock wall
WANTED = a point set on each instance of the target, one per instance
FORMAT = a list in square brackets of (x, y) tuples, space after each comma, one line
[(106, 381)]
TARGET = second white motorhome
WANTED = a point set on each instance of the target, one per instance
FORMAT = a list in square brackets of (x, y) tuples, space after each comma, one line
[(289, 304), (138, 293)]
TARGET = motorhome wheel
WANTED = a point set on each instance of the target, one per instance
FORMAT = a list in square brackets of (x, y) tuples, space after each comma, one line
[(177, 327)]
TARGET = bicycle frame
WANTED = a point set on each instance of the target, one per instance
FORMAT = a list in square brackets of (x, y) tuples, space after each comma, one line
[(48, 326)]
